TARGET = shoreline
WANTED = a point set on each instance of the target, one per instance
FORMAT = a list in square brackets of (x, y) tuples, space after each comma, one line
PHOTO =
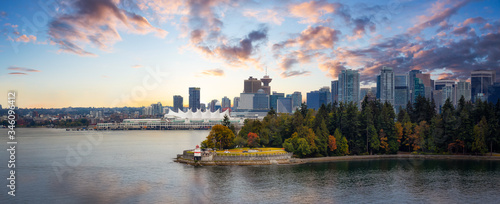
[(391, 156), (296, 161)]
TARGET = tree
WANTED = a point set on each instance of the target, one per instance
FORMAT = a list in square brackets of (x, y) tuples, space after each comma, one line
[(241, 142), (480, 131), (383, 141), (226, 121), (341, 141), (332, 144), (253, 140), (374, 141), (220, 136)]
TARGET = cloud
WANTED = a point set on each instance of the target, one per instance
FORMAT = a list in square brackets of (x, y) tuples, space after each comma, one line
[(361, 26), (137, 66), (96, 22), (267, 16), (476, 20), (311, 12), (241, 53), (23, 69), (18, 73), (287, 74), (213, 72), (439, 14), (26, 39)]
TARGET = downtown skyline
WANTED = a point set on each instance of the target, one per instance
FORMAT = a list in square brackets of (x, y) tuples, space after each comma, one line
[(92, 53)]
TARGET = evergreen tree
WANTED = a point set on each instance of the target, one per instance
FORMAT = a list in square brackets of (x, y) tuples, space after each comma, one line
[(480, 131)]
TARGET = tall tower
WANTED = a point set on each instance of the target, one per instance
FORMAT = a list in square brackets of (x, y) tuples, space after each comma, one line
[(194, 98), (266, 80), (480, 80)]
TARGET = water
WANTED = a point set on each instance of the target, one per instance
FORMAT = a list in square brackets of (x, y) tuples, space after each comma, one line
[(138, 167)]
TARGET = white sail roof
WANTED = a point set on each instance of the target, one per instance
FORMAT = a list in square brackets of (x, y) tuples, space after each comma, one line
[(198, 115)]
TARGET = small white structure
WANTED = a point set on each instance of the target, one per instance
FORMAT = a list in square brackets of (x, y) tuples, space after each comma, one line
[(197, 153)]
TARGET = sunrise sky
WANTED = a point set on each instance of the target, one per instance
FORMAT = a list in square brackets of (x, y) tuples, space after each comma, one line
[(102, 53)]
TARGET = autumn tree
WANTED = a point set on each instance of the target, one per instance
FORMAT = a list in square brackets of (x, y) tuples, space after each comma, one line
[(220, 136), (332, 143), (253, 140), (383, 141), (342, 145)]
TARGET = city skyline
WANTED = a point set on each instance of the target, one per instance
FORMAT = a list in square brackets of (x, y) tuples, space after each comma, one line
[(136, 53)]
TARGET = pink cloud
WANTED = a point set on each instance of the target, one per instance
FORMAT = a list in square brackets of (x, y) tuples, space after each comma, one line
[(26, 39)]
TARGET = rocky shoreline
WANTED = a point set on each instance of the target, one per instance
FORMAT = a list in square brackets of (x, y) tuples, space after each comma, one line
[(292, 161)]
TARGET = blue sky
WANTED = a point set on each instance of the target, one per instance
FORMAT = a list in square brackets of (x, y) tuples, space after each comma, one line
[(102, 53)]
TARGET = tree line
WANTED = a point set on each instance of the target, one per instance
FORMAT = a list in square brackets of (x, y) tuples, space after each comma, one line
[(374, 128)]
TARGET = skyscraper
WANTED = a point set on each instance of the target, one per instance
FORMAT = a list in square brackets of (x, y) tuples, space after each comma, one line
[(284, 105), (386, 85), (400, 91), (236, 102), (252, 85), (448, 90), (273, 99), (266, 80), (426, 80), (335, 91), (480, 80), (226, 102), (261, 100), (178, 103), (349, 86), (494, 93), (328, 94), (363, 92), (411, 81), (194, 98), (463, 89), (296, 100), (316, 98)]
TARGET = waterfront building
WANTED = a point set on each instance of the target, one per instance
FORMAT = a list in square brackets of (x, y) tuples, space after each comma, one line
[(178, 103), (348, 86), (480, 80), (246, 101), (194, 98)]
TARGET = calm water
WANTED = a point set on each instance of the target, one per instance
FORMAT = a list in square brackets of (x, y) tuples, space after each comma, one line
[(138, 167)]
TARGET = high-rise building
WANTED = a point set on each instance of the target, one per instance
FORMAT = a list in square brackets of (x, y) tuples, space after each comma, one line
[(349, 86), (284, 105), (226, 102), (178, 103), (335, 91), (463, 89), (316, 98), (194, 98), (252, 85), (273, 99), (212, 104), (448, 87), (203, 107), (418, 88), (411, 81), (386, 90), (400, 91), (246, 101), (428, 87), (265, 81), (236, 102), (374, 91), (296, 100), (261, 100), (480, 80), (494, 93), (363, 92), (437, 95), (328, 94)]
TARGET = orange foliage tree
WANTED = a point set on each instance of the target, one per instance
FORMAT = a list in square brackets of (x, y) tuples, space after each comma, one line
[(253, 140), (332, 143)]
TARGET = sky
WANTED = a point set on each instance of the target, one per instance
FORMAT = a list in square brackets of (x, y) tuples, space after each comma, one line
[(114, 53)]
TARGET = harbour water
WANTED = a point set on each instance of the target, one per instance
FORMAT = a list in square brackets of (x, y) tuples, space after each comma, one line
[(58, 166)]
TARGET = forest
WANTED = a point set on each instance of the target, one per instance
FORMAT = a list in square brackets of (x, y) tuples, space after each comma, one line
[(374, 128)]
